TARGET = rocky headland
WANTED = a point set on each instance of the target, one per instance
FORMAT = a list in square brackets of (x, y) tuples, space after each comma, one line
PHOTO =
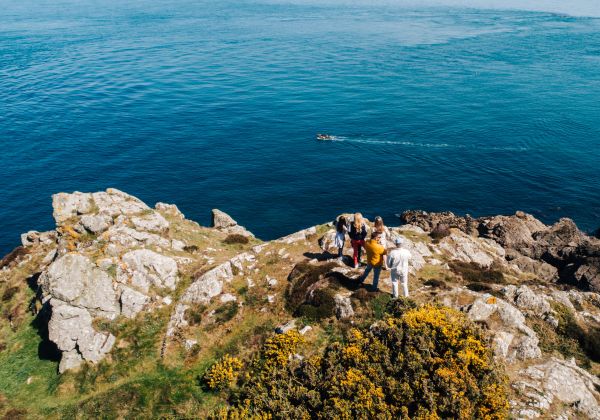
[(119, 310)]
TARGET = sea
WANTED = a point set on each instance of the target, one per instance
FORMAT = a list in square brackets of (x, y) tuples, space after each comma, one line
[(216, 104)]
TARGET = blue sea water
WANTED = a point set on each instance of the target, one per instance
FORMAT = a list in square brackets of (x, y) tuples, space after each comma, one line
[(216, 104)]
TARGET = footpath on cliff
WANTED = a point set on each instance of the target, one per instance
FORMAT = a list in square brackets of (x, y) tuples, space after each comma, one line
[(123, 303)]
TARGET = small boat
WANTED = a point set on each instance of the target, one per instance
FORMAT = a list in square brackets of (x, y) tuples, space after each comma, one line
[(324, 137)]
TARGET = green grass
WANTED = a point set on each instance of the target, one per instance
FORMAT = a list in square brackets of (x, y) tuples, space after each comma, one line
[(21, 361)]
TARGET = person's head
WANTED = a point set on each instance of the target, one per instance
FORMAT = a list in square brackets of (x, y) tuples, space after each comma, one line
[(399, 242), (341, 223), (378, 223), (358, 220), (375, 235)]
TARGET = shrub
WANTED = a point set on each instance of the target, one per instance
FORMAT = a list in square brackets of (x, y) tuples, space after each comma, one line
[(190, 248), (13, 256), (303, 276), (223, 372), (236, 238), (438, 284), (427, 362), (479, 287), (475, 273), (9, 293), (587, 338), (226, 312), (193, 315), (440, 231)]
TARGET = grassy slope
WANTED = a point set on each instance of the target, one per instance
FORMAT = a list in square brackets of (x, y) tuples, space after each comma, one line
[(135, 382)]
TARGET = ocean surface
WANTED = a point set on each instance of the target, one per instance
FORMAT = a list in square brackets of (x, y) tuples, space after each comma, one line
[(210, 104)]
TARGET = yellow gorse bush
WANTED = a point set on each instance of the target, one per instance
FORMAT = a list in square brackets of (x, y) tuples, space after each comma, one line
[(420, 363), (278, 349), (223, 372)]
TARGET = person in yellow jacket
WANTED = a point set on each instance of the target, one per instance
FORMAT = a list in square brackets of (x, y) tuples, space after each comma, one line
[(375, 253)]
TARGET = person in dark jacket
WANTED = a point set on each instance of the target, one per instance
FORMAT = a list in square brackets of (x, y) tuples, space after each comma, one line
[(357, 233)]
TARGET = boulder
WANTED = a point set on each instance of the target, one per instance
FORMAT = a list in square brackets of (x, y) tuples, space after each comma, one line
[(170, 210), (428, 221), (70, 328), (558, 244), (343, 306), (512, 232), (208, 285), (225, 223), (512, 338), (67, 205), (152, 222), (143, 268), (74, 279), (33, 237), (221, 220), (124, 237), (132, 301), (562, 385), (465, 248), (114, 203), (298, 236), (540, 269), (524, 298), (97, 223)]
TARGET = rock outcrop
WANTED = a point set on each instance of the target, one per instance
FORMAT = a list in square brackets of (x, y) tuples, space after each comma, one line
[(111, 260), (225, 223), (560, 251)]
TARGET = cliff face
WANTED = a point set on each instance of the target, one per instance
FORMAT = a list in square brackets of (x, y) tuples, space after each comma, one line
[(121, 295)]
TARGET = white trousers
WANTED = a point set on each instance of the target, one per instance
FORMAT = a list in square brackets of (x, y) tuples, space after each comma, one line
[(399, 277)]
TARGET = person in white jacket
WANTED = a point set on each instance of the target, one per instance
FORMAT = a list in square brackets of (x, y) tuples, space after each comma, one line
[(397, 262)]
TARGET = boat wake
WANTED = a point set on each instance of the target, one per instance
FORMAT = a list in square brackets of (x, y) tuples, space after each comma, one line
[(362, 140)]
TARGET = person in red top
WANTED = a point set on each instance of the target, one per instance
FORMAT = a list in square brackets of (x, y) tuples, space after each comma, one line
[(357, 233)]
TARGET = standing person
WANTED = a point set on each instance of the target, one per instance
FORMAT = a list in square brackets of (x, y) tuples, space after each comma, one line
[(358, 233), (375, 253), (397, 261), (385, 235), (341, 228)]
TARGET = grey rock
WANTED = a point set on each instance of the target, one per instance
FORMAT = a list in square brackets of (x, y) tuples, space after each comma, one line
[(152, 222), (132, 301), (74, 279), (343, 307), (227, 297), (541, 269), (114, 203), (298, 236), (67, 206), (96, 223), (122, 237), (221, 220), (69, 360), (463, 247), (560, 381), (70, 328), (169, 209), (144, 268), (515, 232), (501, 343), (524, 298), (189, 344), (225, 223), (208, 285), (33, 237)]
